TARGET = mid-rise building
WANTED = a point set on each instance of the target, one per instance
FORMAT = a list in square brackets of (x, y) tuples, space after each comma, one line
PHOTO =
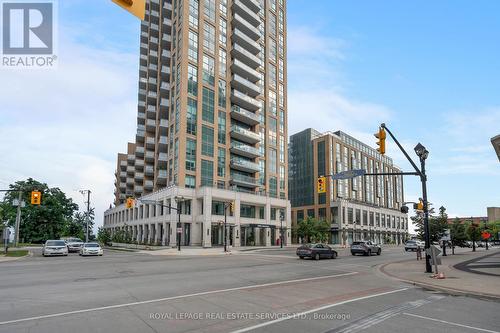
[(362, 208), (212, 106)]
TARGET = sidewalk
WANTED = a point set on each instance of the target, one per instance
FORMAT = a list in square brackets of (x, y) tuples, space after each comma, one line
[(456, 282)]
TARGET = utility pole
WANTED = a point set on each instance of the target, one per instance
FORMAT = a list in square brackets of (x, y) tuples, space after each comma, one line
[(18, 218), (88, 213)]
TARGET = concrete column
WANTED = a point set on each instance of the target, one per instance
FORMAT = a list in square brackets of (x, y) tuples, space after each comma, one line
[(207, 219), (267, 232), (164, 234), (237, 223)]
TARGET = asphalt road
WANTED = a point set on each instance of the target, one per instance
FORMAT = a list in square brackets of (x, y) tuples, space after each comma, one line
[(258, 291)]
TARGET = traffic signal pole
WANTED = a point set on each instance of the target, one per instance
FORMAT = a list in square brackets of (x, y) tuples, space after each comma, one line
[(18, 218)]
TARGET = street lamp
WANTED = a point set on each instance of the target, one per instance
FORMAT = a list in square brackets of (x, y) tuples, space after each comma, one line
[(423, 154), (282, 217)]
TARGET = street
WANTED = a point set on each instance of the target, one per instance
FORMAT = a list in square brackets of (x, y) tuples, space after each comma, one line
[(254, 291)]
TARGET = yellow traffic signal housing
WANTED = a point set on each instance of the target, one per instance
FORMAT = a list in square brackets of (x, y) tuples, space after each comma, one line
[(419, 205), (321, 184), (231, 206), (134, 7), (36, 197), (130, 203), (380, 135)]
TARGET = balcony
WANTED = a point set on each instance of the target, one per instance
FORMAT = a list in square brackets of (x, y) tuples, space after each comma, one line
[(240, 68), (138, 190), (139, 164), (139, 136), (245, 86), (245, 41), (139, 152), (139, 176), (130, 170), (244, 135), (162, 174), (150, 143), (246, 57), (123, 175), (150, 156), (148, 184), (250, 15), (244, 150), (130, 181), (244, 100), (244, 116), (131, 157), (149, 170), (249, 30), (122, 186), (242, 180), (162, 157), (150, 125), (123, 165), (252, 4), (244, 165)]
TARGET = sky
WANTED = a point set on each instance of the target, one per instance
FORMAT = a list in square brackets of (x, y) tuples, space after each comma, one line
[(429, 70)]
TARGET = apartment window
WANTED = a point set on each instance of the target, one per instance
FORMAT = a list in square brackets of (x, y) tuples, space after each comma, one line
[(282, 177), (272, 102), (221, 162), (218, 208), (281, 19), (208, 70), (210, 9), (281, 70), (207, 173), (192, 80), (272, 131), (358, 216), (282, 149), (300, 215), (272, 25), (209, 38), (223, 7), (208, 105), (272, 76), (222, 62), (310, 213), (321, 167), (262, 27), (282, 121), (191, 116), (383, 220), (207, 143), (262, 172), (221, 133), (273, 4), (273, 187), (193, 46), (281, 45), (281, 96), (377, 219), (371, 218), (350, 215), (222, 93), (365, 217), (193, 13), (272, 160), (222, 31), (191, 154), (272, 50)]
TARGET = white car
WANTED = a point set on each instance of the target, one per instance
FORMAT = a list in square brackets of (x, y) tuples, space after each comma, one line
[(55, 247), (91, 249), (74, 244)]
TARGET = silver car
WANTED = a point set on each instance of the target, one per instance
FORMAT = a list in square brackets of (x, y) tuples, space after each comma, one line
[(74, 244), (91, 249), (55, 248)]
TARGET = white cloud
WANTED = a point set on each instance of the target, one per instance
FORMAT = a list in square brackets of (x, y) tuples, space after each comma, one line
[(65, 126)]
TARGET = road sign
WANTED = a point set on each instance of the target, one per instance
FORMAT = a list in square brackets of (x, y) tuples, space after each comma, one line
[(433, 249), (179, 230), (446, 235), (485, 235), (349, 174)]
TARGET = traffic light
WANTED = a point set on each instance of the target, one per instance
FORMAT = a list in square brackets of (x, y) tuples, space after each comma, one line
[(134, 7), (380, 135), (419, 205), (231, 207), (322, 184), (130, 203), (36, 197)]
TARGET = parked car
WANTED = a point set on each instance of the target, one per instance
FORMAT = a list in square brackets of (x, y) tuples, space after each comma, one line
[(412, 245), (316, 251), (54, 247), (91, 249), (74, 244), (365, 247)]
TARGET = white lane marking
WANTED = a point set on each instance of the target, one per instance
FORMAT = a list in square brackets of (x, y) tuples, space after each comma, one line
[(271, 322), (203, 293), (449, 323)]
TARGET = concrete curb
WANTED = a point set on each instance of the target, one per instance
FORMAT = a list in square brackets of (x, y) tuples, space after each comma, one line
[(10, 259), (430, 286)]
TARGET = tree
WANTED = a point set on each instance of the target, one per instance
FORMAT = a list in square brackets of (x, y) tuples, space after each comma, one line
[(313, 230), (473, 232), (457, 233), (48, 220), (437, 224), (103, 236), (76, 227)]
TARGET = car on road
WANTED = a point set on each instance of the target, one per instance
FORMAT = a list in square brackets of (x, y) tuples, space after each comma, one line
[(91, 249), (54, 247), (316, 251), (74, 244), (412, 245), (365, 247)]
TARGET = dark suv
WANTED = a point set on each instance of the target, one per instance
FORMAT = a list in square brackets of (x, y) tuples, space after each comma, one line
[(365, 247)]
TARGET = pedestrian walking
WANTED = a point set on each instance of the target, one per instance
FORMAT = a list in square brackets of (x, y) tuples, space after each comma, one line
[(419, 252)]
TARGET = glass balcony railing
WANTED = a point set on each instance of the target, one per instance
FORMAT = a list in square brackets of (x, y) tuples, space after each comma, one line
[(245, 101), (245, 41), (244, 70), (244, 133), (244, 116), (249, 150), (248, 58), (245, 85), (237, 178), (245, 165), (250, 15)]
